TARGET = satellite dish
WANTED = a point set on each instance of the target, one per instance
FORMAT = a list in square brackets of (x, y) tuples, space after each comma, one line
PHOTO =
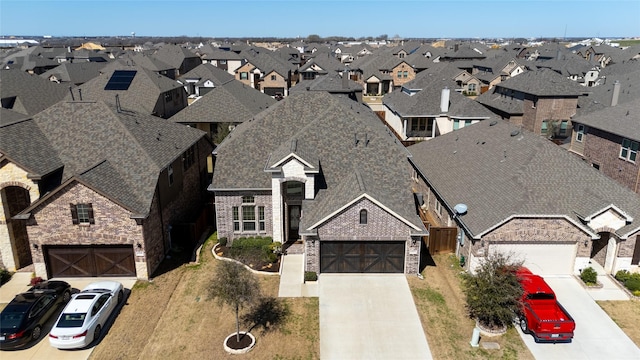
[(460, 209)]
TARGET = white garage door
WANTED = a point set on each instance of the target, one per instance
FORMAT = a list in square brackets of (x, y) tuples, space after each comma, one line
[(542, 259)]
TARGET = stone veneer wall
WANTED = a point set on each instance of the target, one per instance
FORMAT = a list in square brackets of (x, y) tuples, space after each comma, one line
[(51, 223), (381, 226), (12, 175), (538, 230)]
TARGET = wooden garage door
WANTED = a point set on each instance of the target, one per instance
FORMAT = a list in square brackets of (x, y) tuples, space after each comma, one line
[(362, 257), (80, 261)]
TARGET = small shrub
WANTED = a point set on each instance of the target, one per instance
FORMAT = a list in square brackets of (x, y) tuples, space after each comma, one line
[(310, 276), (222, 241), (5, 275), (253, 249), (636, 293), (623, 275), (632, 284), (589, 276), (35, 280)]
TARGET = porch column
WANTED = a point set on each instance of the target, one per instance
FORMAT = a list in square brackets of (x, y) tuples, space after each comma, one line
[(276, 205), (404, 128)]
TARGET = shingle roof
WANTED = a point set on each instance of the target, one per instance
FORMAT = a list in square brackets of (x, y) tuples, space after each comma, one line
[(75, 73), (543, 82), (427, 103), (232, 102), (208, 72), (25, 144), (622, 119), (327, 127), (268, 62), (504, 175), (142, 95), (82, 135), (332, 83), (599, 97), (33, 93), (174, 55)]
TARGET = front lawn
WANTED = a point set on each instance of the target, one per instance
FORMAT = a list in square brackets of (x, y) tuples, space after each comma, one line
[(441, 305), (172, 318), (626, 314)]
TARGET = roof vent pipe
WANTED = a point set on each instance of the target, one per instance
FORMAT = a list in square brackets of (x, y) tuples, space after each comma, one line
[(616, 93), (444, 100), (71, 91), (80, 93)]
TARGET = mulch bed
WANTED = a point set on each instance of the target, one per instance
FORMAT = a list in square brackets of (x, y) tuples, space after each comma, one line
[(245, 342), (224, 251)]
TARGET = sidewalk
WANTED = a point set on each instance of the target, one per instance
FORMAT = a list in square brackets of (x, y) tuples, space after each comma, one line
[(292, 278), (19, 283), (610, 290)]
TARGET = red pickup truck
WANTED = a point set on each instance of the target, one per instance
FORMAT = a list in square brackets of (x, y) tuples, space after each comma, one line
[(542, 315)]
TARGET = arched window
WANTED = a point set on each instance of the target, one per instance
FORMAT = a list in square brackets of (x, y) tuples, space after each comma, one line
[(363, 216)]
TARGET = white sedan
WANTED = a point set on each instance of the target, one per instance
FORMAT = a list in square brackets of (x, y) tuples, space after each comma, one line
[(82, 320)]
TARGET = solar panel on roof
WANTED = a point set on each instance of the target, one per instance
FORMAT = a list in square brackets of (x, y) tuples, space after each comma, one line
[(120, 80)]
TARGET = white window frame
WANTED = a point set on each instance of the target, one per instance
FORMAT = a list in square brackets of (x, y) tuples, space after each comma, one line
[(580, 133), (626, 153), (438, 208)]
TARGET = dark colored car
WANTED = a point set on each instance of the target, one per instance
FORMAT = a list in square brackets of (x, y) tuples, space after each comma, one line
[(22, 320)]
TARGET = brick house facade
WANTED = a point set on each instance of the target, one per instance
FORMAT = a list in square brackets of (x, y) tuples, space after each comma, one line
[(320, 186), (608, 141), (513, 216), (108, 215)]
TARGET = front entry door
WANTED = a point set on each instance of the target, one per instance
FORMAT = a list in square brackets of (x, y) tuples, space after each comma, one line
[(294, 222)]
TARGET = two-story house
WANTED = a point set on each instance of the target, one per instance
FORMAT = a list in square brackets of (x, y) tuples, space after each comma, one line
[(98, 191), (609, 141), (134, 88), (542, 101), (431, 112)]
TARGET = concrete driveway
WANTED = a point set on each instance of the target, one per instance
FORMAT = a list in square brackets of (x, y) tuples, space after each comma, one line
[(596, 336), (42, 349), (369, 317)]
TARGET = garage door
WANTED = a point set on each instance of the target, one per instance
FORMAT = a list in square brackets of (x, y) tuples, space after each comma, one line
[(362, 257), (273, 91), (542, 259), (81, 261)]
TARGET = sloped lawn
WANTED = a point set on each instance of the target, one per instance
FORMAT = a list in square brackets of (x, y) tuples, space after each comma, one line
[(441, 305), (174, 319)]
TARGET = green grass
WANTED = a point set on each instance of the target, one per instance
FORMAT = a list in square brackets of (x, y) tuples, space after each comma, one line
[(628, 42)]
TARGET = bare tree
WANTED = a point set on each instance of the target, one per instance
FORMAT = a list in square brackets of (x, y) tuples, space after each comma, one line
[(235, 286)]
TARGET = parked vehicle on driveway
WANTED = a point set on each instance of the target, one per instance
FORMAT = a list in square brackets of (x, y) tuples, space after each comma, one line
[(22, 320), (82, 320), (542, 315)]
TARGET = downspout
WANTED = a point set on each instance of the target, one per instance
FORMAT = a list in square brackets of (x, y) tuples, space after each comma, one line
[(161, 219)]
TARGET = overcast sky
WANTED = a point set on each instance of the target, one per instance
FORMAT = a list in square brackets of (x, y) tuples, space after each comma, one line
[(350, 18)]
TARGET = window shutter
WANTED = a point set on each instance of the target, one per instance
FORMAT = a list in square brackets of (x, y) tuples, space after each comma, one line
[(74, 214), (90, 211)]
